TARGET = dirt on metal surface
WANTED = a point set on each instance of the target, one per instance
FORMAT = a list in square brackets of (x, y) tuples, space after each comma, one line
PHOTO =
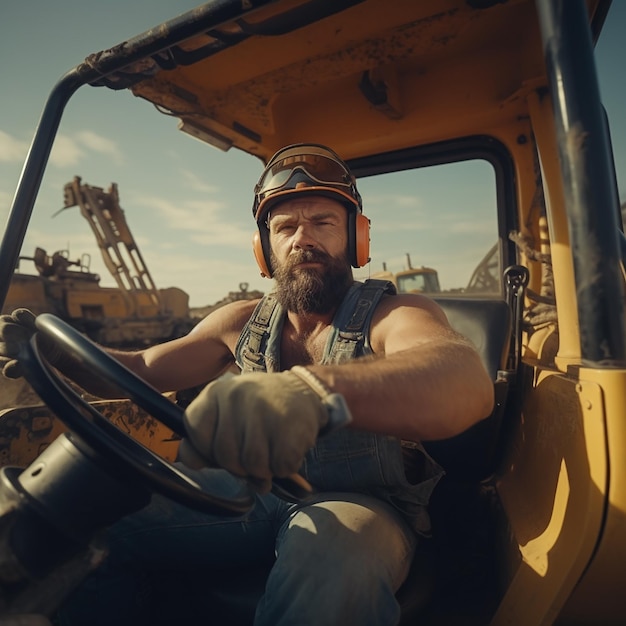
[(25, 431)]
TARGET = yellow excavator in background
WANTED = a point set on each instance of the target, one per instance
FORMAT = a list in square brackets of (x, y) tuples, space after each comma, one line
[(133, 314), (413, 279)]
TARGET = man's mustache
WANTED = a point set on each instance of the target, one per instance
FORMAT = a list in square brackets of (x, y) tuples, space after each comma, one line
[(307, 256)]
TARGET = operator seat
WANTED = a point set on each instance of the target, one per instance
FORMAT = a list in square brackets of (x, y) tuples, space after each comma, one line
[(453, 569)]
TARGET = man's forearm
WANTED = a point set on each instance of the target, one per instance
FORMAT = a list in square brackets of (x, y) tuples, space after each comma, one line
[(95, 385), (432, 392)]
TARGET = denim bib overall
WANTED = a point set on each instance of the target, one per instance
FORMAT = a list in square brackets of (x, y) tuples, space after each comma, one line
[(348, 460)]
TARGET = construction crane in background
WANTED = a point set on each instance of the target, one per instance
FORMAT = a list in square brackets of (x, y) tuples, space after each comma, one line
[(133, 314), (120, 252)]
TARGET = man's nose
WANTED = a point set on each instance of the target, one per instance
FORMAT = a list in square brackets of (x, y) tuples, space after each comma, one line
[(302, 238)]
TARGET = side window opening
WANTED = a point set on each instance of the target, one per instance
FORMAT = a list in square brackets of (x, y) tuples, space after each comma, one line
[(435, 229)]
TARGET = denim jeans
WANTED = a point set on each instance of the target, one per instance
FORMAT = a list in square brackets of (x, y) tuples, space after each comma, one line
[(363, 462), (338, 559)]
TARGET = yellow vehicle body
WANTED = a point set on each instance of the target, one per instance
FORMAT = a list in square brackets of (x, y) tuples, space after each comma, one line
[(413, 280), (107, 314), (393, 85)]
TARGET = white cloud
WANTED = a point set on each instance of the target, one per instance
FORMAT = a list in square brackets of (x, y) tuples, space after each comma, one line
[(78, 243), (202, 219), (12, 150), (102, 145), (182, 215), (411, 202), (195, 183), (382, 201), (65, 151), (225, 234), (398, 222), (206, 280), (474, 227)]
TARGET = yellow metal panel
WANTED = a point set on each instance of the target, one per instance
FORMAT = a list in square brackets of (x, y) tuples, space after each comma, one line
[(175, 301), (111, 302), (600, 597), (562, 264), (553, 493), (28, 292), (26, 431), (146, 304)]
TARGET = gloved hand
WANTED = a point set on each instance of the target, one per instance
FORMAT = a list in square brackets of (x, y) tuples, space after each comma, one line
[(258, 425), (14, 329)]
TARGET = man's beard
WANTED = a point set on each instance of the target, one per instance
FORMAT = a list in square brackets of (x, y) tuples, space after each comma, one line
[(311, 289)]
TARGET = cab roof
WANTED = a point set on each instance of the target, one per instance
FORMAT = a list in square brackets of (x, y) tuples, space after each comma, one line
[(365, 76)]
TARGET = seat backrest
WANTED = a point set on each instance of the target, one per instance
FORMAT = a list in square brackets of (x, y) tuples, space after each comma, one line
[(474, 454), (486, 323)]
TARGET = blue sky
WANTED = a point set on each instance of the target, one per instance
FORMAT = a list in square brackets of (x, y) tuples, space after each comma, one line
[(187, 204)]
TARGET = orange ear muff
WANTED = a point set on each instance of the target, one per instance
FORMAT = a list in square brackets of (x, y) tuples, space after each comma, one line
[(361, 240), (259, 255)]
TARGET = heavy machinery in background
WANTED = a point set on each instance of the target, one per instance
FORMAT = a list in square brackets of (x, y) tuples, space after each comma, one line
[(133, 314), (413, 279), (485, 278)]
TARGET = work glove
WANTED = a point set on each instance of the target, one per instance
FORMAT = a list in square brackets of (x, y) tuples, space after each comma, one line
[(15, 329), (260, 425)]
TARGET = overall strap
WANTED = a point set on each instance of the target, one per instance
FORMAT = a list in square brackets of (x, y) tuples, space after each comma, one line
[(251, 351), (258, 346), (349, 337)]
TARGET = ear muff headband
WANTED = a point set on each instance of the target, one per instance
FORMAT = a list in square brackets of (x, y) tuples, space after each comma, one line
[(358, 244)]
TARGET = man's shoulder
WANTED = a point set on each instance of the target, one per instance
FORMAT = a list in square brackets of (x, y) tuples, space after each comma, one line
[(240, 309), (406, 302), (230, 317)]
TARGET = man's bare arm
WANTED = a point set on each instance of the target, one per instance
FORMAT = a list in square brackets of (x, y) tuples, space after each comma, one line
[(425, 381), (202, 355)]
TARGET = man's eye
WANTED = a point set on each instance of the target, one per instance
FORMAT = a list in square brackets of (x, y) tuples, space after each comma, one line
[(285, 228)]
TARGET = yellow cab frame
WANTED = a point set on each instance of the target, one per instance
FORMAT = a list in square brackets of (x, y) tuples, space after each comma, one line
[(396, 85)]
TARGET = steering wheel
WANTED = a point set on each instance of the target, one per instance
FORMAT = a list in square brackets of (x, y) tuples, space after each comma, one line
[(109, 442)]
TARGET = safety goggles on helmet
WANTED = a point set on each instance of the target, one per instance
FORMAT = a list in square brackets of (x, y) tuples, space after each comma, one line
[(308, 168)]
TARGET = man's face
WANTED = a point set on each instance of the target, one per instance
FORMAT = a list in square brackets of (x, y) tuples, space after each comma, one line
[(309, 239)]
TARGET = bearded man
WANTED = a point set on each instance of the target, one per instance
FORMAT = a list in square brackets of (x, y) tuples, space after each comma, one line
[(319, 352)]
